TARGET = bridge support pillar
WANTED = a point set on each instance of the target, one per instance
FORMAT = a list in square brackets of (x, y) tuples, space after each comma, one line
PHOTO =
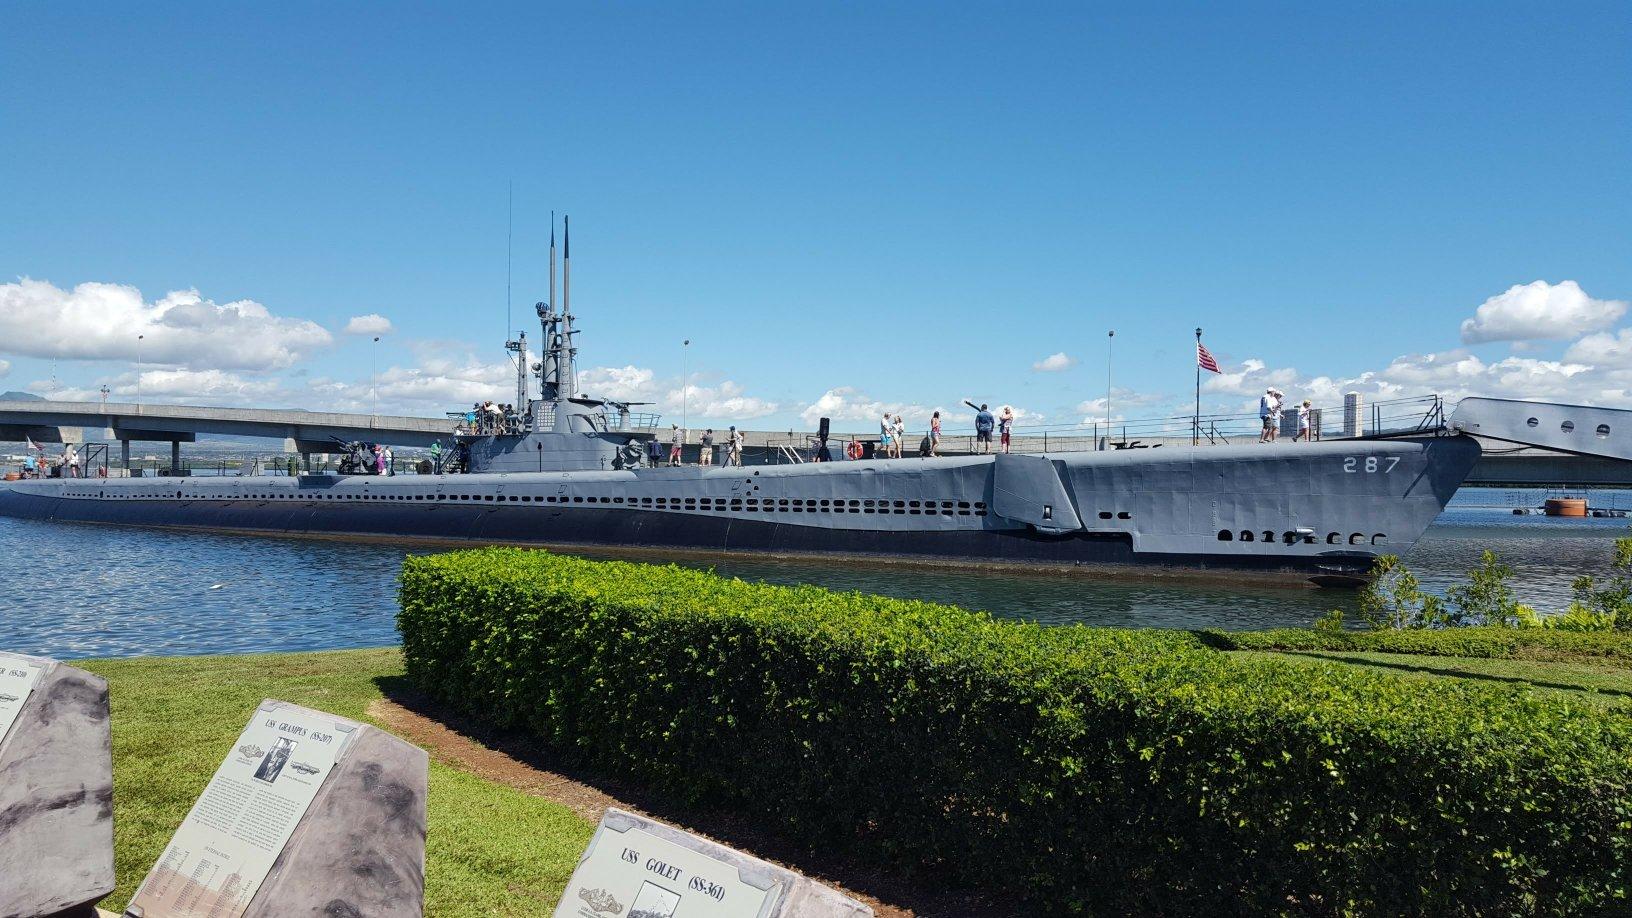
[(124, 454), (175, 457)]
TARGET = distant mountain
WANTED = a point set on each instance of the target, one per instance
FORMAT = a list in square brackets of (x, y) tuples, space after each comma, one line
[(15, 396)]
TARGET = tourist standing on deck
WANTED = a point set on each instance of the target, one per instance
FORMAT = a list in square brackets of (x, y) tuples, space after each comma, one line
[(1268, 406), (705, 453), (1005, 427), (734, 444), (676, 440), (934, 433), (983, 427), (1304, 412), (389, 457), (885, 428), (70, 461)]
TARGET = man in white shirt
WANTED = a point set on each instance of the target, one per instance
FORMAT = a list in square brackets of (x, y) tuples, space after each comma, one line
[(1268, 407)]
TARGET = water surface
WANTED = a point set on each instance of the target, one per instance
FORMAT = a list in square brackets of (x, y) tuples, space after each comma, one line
[(79, 590)]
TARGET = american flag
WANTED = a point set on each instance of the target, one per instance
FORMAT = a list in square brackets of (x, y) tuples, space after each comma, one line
[(1205, 360)]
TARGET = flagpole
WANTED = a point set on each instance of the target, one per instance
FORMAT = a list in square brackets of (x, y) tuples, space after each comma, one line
[(1195, 427)]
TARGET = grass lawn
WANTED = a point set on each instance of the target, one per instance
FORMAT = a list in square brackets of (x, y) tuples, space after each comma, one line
[(492, 850), (1589, 678)]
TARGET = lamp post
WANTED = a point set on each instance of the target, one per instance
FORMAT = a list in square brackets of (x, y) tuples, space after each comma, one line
[(104, 390), (374, 376), (1109, 340), (685, 383), (139, 371)]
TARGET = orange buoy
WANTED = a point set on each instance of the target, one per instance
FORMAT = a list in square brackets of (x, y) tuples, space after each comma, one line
[(1565, 506)]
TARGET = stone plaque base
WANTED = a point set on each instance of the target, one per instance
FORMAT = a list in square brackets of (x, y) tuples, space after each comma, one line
[(56, 797), (360, 850)]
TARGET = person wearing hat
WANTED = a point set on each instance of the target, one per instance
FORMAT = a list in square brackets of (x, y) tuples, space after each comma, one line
[(734, 446), (705, 452), (1268, 407), (676, 438)]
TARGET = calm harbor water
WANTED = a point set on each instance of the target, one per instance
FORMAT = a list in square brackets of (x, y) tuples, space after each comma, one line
[(83, 591)]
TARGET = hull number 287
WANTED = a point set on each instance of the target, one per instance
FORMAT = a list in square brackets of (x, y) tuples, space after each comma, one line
[(1384, 464)]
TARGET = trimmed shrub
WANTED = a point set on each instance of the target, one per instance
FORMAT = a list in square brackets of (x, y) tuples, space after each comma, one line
[(1087, 770), (1487, 641)]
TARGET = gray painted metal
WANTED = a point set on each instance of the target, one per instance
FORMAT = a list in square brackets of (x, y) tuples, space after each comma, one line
[(1028, 489), (56, 797), (1578, 429), (1523, 469), (1315, 511)]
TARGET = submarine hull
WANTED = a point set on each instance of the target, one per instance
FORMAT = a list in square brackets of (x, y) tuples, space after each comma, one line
[(1316, 513)]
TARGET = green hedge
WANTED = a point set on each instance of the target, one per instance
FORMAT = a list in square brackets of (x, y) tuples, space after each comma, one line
[(1510, 643), (1091, 770)]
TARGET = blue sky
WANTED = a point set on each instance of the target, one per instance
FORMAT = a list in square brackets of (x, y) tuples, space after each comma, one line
[(845, 207)]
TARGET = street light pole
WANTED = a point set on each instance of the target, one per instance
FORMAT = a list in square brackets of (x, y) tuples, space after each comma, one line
[(685, 347), (1109, 340), (374, 376), (139, 371)]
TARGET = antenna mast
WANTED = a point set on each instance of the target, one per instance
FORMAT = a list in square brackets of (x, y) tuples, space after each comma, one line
[(566, 362), (517, 346)]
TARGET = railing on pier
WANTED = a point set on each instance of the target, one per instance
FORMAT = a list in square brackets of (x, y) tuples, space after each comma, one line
[(1391, 417)]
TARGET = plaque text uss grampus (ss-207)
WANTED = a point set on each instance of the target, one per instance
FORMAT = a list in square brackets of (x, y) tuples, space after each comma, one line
[(640, 868), (56, 788), (310, 813)]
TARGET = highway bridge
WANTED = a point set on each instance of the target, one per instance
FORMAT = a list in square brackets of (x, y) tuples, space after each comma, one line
[(310, 432)]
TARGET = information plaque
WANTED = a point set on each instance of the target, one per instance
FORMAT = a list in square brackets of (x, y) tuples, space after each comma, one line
[(225, 847), (639, 868), (18, 676)]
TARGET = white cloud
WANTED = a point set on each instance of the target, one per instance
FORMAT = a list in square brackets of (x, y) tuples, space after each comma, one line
[(1251, 377), (846, 404), (174, 386), (5, 367), (1454, 374), (102, 321), (725, 400), (1603, 347), (1053, 363), (1540, 310), (444, 380), (1122, 400), (371, 324)]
